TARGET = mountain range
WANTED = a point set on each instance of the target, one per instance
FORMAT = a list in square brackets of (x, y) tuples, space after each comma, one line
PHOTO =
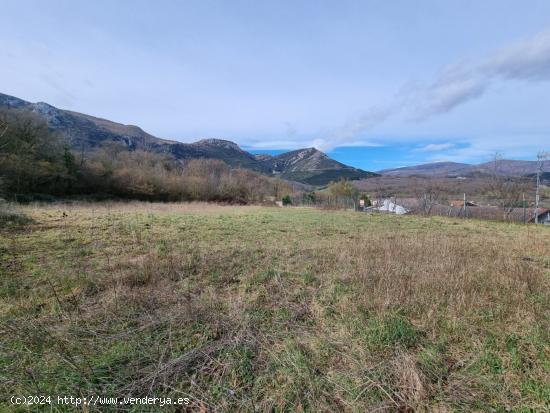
[(84, 133), (308, 166), (506, 167)]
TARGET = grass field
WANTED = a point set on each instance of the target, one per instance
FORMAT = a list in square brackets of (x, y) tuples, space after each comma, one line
[(267, 309)]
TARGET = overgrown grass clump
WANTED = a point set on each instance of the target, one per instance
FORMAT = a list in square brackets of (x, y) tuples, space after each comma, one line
[(10, 216), (265, 309)]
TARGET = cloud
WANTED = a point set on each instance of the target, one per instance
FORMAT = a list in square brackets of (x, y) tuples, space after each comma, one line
[(436, 147), (446, 94), (527, 60), (347, 135)]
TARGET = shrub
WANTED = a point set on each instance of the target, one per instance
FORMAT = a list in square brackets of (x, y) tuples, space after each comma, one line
[(365, 198)]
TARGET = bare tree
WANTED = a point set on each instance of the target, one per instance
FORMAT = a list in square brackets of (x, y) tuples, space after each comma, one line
[(506, 191), (428, 194)]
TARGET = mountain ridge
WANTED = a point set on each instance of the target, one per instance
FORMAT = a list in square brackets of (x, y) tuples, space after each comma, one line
[(509, 167), (85, 132)]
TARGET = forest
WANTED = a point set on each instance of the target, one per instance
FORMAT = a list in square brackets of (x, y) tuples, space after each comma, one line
[(37, 164)]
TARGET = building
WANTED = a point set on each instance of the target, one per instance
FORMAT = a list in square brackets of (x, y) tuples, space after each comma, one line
[(388, 206)]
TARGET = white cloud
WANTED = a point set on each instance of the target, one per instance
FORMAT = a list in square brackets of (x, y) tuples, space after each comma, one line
[(347, 135), (436, 147), (527, 60)]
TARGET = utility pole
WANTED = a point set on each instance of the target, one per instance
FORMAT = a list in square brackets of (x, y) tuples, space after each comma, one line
[(541, 157), (464, 204)]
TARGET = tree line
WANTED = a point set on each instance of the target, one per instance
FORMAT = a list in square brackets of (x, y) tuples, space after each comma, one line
[(38, 164)]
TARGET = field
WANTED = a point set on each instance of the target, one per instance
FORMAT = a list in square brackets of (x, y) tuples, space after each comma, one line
[(274, 309)]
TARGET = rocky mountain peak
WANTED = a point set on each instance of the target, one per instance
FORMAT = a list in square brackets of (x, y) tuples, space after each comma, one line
[(219, 143)]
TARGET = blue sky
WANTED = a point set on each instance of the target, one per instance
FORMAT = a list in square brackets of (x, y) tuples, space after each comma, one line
[(376, 84)]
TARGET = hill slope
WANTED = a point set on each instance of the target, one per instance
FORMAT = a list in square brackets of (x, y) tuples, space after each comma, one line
[(84, 133), (507, 167), (433, 169)]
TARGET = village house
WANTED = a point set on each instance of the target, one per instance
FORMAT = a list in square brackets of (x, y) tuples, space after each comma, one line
[(388, 206)]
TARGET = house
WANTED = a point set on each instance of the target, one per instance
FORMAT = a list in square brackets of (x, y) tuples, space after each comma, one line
[(388, 206)]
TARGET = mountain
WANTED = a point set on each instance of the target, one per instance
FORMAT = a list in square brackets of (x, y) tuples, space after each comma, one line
[(438, 169), (511, 167), (313, 167), (84, 133), (506, 167)]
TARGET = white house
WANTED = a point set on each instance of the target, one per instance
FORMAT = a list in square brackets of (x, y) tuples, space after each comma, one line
[(388, 206)]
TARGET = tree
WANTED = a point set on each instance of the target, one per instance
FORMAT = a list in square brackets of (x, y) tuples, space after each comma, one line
[(365, 198), (344, 193), (281, 188), (30, 155), (428, 193), (309, 198), (506, 191), (344, 189)]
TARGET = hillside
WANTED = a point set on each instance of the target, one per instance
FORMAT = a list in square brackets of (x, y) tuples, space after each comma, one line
[(313, 167), (247, 309), (433, 169), (510, 167), (506, 167), (85, 133)]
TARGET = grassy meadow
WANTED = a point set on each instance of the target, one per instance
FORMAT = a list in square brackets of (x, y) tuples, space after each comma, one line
[(274, 309)]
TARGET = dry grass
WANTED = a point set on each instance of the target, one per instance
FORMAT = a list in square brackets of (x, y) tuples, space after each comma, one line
[(266, 309)]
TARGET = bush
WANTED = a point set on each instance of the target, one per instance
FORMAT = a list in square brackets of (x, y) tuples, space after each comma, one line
[(286, 200), (365, 198)]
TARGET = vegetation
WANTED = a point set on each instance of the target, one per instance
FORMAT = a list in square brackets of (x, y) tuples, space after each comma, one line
[(365, 197), (263, 309), (343, 189), (324, 177), (36, 165), (31, 158)]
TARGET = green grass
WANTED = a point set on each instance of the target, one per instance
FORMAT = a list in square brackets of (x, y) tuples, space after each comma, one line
[(251, 308)]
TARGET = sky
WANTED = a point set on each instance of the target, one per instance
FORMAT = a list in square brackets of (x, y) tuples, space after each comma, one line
[(374, 83)]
